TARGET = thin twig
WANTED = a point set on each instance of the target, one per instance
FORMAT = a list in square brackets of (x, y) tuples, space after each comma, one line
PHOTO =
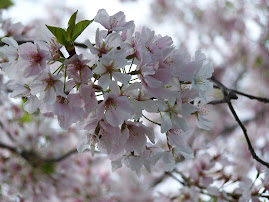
[(81, 45), (246, 136), (252, 97), (226, 99), (226, 91), (28, 155), (261, 99), (10, 148), (64, 156), (151, 120)]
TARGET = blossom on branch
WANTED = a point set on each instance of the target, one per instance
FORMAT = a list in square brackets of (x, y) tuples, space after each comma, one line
[(109, 93), (33, 58)]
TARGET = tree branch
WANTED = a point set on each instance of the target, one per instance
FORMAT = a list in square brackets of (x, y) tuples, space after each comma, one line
[(261, 99), (81, 45), (226, 91), (32, 157), (230, 96), (64, 156), (252, 97), (246, 136), (10, 148)]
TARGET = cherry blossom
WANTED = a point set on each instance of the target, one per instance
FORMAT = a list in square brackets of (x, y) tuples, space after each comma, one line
[(104, 43), (32, 58), (115, 22), (32, 102), (116, 109), (11, 52), (49, 86), (110, 91), (132, 99), (78, 69), (109, 67)]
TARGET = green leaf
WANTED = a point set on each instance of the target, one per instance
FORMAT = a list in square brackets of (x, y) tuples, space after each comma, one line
[(71, 25), (229, 4), (72, 19), (48, 168), (79, 28), (59, 33), (69, 31), (257, 62), (26, 118), (5, 4)]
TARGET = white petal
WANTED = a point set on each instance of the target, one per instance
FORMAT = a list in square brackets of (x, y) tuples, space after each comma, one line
[(49, 96), (123, 78), (166, 123), (91, 47), (19, 91), (103, 18), (116, 164), (104, 81), (83, 144), (185, 151), (113, 118), (31, 104), (37, 87), (10, 41)]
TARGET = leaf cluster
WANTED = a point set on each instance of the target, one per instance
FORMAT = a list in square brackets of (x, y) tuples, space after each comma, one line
[(67, 37)]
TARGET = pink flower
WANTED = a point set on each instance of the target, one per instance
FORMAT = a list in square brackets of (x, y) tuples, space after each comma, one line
[(88, 94), (102, 135), (33, 58), (32, 103), (204, 71), (104, 43), (115, 22), (176, 139), (109, 67), (139, 99), (49, 86), (68, 110), (54, 48), (136, 134), (78, 69), (117, 109), (150, 45), (174, 114), (153, 77), (11, 67)]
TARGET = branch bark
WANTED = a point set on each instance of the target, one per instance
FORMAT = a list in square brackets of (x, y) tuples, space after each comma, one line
[(30, 156), (227, 99)]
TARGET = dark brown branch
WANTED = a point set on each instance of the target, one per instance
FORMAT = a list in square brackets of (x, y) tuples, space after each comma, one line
[(134, 72), (64, 156), (28, 156), (10, 148), (246, 136), (226, 91), (188, 182), (80, 45), (252, 97), (230, 96), (261, 99), (31, 156)]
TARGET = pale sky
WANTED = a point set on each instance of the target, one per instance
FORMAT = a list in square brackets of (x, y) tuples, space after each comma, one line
[(26, 10), (139, 11)]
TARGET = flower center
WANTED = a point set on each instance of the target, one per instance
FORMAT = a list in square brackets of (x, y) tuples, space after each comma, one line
[(36, 58)]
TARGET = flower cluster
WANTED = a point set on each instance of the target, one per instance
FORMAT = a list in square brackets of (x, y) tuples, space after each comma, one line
[(38, 162), (110, 91)]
